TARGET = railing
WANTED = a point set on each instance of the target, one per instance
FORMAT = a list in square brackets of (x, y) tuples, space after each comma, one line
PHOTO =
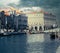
[(53, 30)]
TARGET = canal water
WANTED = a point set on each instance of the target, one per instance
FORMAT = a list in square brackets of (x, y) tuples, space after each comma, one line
[(29, 43)]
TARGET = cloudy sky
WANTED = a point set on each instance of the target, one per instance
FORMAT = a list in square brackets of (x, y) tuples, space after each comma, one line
[(48, 5)]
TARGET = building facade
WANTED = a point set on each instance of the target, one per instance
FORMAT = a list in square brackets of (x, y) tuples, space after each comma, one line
[(35, 21), (20, 22), (50, 21), (33, 18), (39, 20), (13, 21)]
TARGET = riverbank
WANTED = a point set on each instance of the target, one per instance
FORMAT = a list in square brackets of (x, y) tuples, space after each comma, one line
[(12, 32)]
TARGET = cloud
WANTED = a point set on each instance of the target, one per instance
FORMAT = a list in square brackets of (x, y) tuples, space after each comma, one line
[(44, 3), (5, 2), (48, 5)]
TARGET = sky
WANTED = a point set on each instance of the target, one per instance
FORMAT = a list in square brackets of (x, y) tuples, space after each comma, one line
[(52, 6)]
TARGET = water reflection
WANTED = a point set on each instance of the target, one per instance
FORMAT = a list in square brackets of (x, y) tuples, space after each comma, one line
[(34, 43), (50, 46), (13, 44)]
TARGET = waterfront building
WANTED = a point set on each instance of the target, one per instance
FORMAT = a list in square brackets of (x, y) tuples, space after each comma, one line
[(35, 21), (6, 21), (11, 18), (2, 19), (9, 22), (38, 19), (34, 17), (20, 22), (50, 21)]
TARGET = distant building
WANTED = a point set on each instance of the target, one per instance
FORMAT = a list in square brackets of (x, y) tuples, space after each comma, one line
[(2, 19), (38, 20), (13, 20), (35, 21), (50, 21), (9, 22), (20, 22), (33, 18)]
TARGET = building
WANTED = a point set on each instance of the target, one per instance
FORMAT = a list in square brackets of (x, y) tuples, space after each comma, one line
[(2, 19), (38, 20), (20, 22), (50, 21), (34, 17), (6, 21), (13, 20), (35, 21)]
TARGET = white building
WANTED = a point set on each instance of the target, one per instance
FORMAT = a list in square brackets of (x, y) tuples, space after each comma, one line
[(38, 20), (35, 18)]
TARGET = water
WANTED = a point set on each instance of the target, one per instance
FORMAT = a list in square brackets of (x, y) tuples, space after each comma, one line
[(35, 43)]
